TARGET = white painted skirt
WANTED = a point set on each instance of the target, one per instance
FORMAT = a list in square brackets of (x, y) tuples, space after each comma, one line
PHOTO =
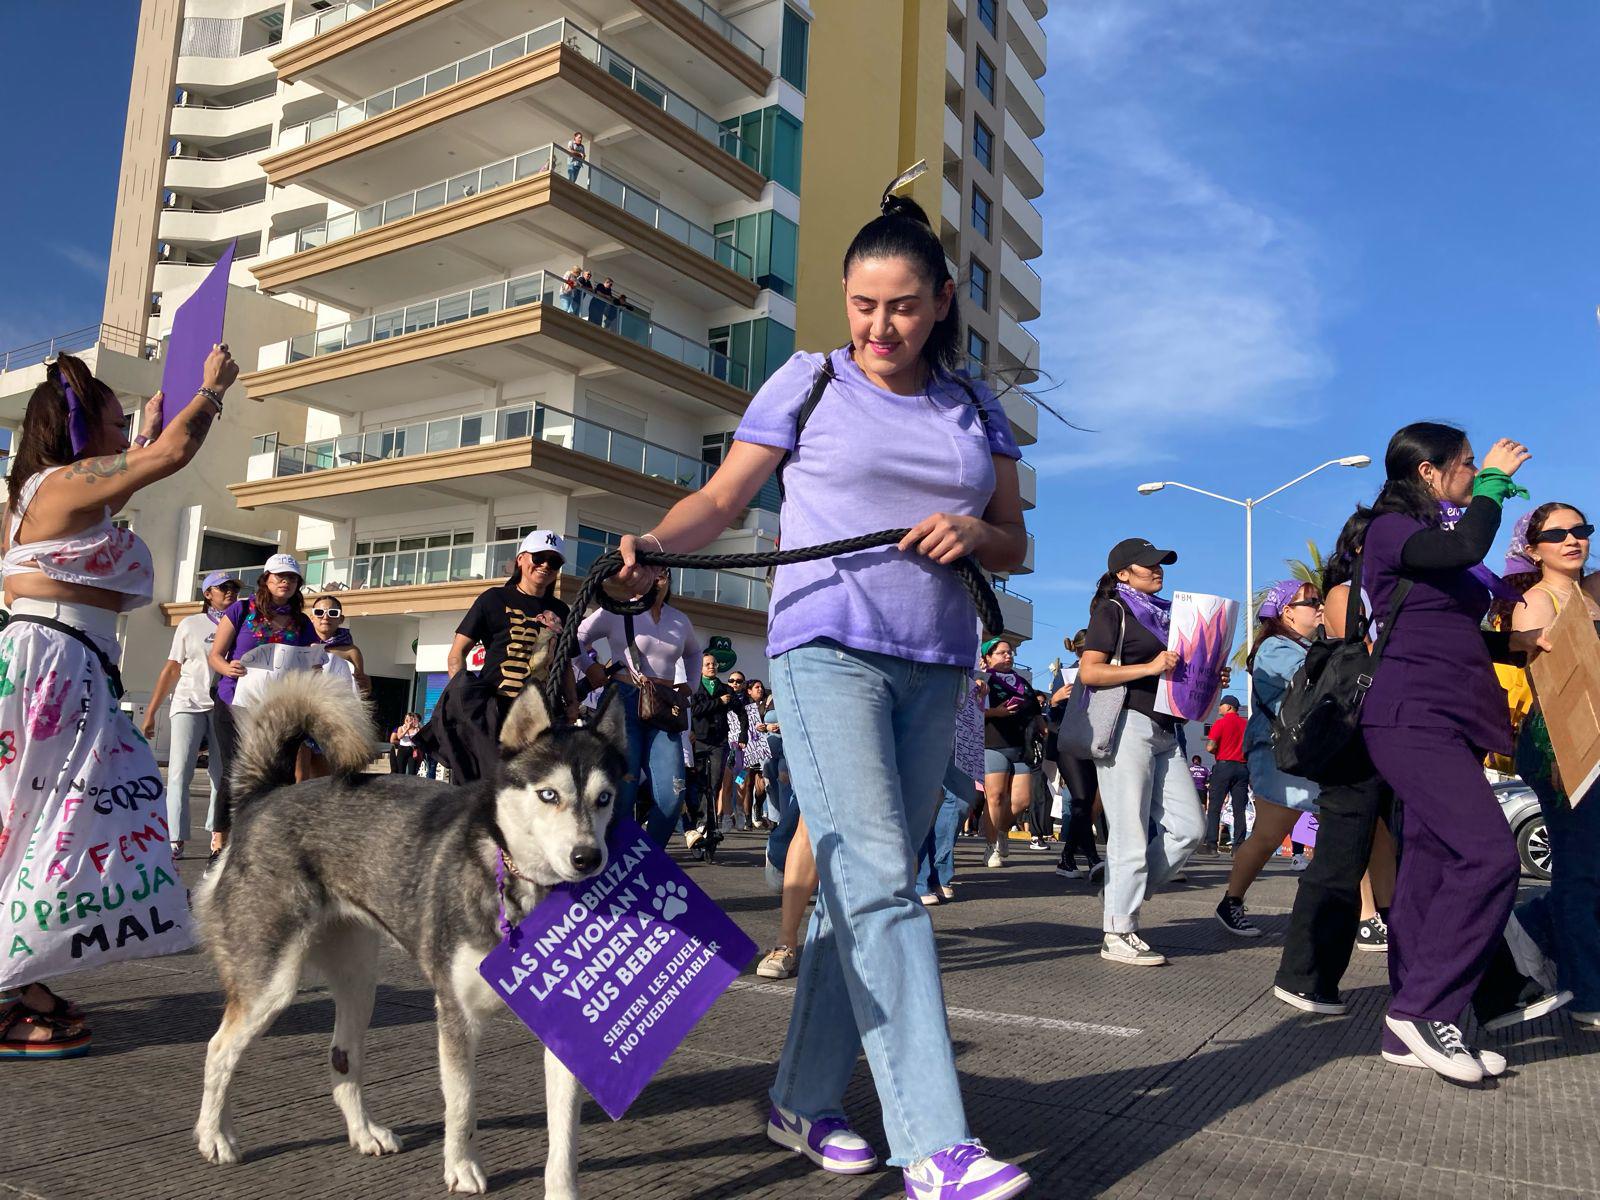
[(86, 870)]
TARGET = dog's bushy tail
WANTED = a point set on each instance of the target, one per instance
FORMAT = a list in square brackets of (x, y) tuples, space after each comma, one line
[(296, 706)]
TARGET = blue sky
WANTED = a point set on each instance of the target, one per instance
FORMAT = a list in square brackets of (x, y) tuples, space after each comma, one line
[(1277, 232), (1274, 233)]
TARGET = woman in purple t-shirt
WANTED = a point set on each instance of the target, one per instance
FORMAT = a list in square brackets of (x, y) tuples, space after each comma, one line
[(870, 657)]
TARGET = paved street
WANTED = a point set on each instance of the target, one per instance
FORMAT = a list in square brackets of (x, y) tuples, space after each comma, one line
[(1187, 1081)]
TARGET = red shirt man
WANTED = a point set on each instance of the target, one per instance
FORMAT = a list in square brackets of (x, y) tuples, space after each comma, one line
[(1230, 777), (1226, 740)]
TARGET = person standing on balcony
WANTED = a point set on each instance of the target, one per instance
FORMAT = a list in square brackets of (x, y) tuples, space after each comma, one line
[(577, 155), (870, 656), (464, 732), (572, 291), (69, 572), (600, 303), (186, 677)]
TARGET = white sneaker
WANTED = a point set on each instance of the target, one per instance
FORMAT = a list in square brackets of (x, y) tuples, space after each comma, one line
[(1493, 1064), (1131, 949), (948, 892), (1438, 1046), (930, 900), (965, 1171), (1585, 1020), (691, 837), (996, 859), (1298, 863)]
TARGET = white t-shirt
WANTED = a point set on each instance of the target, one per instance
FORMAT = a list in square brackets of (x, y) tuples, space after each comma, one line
[(659, 649), (191, 642)]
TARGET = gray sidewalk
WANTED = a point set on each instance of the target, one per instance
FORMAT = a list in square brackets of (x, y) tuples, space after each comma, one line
[(1185, 1081)]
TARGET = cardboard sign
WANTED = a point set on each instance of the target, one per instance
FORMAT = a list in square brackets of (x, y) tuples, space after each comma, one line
[(196, 327), (1567, 683), (614, 972), (1305, 830), (1202, 634), (266, 662)]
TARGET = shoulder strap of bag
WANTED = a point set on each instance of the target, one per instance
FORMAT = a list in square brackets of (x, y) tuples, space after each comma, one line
[(1401, 588), (1122, 630), (113, 675), (628, 651), (818, 386)]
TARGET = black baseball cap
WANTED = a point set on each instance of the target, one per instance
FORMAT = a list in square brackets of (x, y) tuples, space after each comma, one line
[(1138, 552), (1230, 702)]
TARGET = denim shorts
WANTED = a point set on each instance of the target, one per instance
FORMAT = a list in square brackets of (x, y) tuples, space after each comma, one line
[(1011, 760)]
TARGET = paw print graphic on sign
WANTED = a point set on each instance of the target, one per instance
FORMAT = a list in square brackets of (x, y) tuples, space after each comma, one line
[(672, 900)]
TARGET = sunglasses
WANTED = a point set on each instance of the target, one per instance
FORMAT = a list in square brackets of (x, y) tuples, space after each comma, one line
[(735, 682), (329, 614), (549, 561), (1315, 603), (1554, 537)]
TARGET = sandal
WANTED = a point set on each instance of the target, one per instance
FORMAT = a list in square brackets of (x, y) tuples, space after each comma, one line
[(54, 1005), (67, 1039)]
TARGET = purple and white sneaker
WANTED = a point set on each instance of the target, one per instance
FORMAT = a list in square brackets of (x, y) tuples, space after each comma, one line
[(828, 1142), (964, 1171)]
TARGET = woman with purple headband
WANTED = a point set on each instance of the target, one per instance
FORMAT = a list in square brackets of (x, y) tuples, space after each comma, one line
[(1289, 615), (86, 870)]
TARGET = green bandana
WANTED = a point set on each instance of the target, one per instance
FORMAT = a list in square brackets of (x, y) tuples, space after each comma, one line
[(710, 685), (1498, 486)]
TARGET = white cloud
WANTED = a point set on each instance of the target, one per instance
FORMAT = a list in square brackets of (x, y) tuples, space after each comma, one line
[(1177, 302), (86, 261)]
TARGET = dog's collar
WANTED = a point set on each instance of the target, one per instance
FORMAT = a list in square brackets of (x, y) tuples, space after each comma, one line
[(511, 867)]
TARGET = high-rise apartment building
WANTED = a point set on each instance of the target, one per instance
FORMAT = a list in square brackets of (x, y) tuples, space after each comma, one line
[(400, 180), (955, 83)]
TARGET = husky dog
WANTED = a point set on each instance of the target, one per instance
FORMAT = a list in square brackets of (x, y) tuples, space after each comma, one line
[(317, 873)]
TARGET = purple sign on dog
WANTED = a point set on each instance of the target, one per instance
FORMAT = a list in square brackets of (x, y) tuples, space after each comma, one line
[(614, 972)]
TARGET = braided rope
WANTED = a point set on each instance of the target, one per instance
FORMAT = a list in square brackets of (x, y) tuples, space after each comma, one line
[(592, 593)]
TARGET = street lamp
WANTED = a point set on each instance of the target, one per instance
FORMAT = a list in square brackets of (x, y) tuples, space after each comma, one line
[(1249, 506)]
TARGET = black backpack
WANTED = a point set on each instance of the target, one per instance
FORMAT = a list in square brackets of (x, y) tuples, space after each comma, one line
[(1319, 716), (820, 385)]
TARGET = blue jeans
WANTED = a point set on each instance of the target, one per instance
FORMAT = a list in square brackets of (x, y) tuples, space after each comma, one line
[(936, 865), (188, 729), (867, 737), (573, 302), (1565, 919), (662, 754), (780, 799)]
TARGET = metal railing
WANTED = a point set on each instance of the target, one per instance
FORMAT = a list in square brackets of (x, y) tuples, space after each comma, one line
[(541, 287), (561, 32), (345, 12), (524, 166), (485, 428), (491, 562), (257, 153), (125, 341), (741, 40)]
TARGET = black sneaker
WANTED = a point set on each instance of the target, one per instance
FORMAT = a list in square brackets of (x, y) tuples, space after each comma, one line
[(1372, 935), (1207, 850), (1528, 1008), (1439, 1046), (1311, 1002), (1231, 913), (1097, 874)]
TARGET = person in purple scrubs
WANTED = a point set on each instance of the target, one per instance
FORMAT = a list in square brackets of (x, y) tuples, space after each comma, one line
[(871, 653), (1433, 711)]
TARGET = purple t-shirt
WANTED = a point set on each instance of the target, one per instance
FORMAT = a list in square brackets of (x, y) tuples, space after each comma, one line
[(249, 631), (870, 459)]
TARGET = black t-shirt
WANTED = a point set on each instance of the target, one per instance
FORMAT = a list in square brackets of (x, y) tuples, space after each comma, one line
[(1139, 645), (1009, 732), (502, 618)]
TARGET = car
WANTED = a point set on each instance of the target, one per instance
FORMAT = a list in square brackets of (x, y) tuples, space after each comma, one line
[(1522, 813)]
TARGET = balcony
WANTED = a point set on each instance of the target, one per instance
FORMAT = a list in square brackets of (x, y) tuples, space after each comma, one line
[(1022, 225), (450, 578), (1024, 160), (1026, 38), (195, 121), (954, 145), (201, 175), (539, 85), (490, 336), (350, 54), (1019, 348), (205, 227), (123, 359), (1024, 97), (539, 206), (1028, 485), (950, 210), (955, 67), (1023, 414), (1021, 290), (494, 454), (1017, 610)]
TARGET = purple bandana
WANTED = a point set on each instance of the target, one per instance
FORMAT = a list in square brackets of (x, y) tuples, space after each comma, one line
[(77, 419), (1150, 610), (1449, 514), (341, 637), (1519, 559), (1278, 598)]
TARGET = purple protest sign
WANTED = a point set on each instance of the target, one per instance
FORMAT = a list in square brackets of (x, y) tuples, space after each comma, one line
[(196, 327), (1305, 830), (1201, 631), (613, 973)]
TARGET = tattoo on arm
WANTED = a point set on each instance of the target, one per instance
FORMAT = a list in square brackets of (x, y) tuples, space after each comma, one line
[(91, 470)]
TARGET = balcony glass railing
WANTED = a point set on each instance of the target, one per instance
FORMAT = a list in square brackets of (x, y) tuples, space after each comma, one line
[(535, 162), (496, 425), (746, 44), (335, 17), (562, 32), (489, 561), (541, 287)]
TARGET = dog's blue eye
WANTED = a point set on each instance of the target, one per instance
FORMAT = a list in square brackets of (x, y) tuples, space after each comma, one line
[(549, 795), (603, 799)]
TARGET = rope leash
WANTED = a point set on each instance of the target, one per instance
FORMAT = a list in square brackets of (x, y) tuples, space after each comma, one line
[(592, 594)]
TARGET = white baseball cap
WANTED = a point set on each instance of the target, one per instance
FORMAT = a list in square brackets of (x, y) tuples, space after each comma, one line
[(283, 564), (543, 541)]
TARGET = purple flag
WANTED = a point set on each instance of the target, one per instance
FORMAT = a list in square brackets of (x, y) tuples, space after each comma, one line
[(196, 327), (613, 973)]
